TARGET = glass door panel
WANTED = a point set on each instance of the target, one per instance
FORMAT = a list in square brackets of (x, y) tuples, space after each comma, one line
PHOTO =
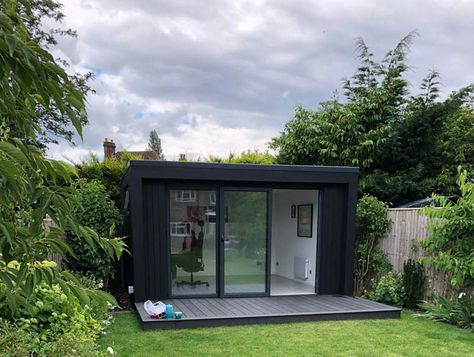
[(244, 242), (192, 236)]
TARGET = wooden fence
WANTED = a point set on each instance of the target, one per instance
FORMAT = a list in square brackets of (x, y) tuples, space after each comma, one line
[(403, 243), (48, 222)]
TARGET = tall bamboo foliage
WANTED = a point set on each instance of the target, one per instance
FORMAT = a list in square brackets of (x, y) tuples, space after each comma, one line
[(32, 186), (407, 142)]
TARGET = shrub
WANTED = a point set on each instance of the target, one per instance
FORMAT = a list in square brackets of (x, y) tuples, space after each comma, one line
[(372, 225), (17, 341), (245, 157), (55, 325), (450, 246), (388, 290), (458, 311), (413, 283), (109, 172), (54, 313), (72, 344), (92, 282), (92, 208)]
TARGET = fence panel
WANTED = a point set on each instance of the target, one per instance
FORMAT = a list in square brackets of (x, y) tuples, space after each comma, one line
[(403, 243), (48, 222)]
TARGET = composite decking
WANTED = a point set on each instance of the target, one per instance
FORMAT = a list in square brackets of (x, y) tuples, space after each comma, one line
[(203, 312)]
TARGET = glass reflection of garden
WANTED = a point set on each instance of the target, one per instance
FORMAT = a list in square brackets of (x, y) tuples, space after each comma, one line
[(245, 234)]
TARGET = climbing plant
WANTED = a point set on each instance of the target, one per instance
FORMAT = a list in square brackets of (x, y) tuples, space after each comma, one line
[(372, 225)]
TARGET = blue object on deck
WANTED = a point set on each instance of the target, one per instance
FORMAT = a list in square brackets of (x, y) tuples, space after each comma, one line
[(169, 311)]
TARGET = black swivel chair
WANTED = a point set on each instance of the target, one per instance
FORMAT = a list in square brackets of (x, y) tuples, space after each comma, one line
[(191, 261)]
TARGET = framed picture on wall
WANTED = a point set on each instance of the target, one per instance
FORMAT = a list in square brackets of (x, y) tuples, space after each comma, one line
[(305, 221)]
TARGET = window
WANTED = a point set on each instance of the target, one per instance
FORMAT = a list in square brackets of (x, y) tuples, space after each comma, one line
[(180, 229), (185, 196)]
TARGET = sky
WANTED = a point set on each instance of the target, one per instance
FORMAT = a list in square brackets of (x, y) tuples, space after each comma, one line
[(214, 76)]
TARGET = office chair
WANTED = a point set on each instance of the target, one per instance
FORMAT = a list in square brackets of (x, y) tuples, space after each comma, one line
[(191, 261)]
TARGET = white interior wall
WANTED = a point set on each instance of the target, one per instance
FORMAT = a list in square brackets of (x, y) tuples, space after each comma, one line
[(285, 243)]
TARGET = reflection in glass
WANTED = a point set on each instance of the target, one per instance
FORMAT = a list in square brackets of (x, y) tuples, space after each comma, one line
[(193, 242), (245, 241)]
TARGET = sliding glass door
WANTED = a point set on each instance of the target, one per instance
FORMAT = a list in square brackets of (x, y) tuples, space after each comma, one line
[(244, 241), (192, 241), (234, 265)]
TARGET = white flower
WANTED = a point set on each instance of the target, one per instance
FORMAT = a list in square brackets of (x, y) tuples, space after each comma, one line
[(461, 295), (110, 350)]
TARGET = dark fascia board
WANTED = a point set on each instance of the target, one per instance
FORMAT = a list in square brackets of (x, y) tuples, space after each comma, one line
[(175, 170)]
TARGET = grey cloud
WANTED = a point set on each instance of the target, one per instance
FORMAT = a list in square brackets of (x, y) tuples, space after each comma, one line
[(246, 64)]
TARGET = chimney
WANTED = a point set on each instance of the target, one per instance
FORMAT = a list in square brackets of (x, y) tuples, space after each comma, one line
[(109, 149)]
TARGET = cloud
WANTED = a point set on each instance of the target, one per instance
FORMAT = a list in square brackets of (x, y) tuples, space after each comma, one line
[(217, 77)]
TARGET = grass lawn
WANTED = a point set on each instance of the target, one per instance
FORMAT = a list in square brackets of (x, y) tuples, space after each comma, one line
[(408, 336)]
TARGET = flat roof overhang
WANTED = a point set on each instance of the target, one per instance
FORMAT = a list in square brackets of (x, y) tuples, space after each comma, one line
[(175, 170)]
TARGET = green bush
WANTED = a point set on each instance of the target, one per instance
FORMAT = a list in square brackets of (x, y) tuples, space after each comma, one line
[(54, 325), (413, 283), (388, 290), (458, 311), (92, 208), (53, 313), (372, 225), (245, 157), (109, 172), (450, 246), (17, 341)]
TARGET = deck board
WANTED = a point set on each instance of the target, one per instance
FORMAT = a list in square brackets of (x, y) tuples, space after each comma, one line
[(202, 312)]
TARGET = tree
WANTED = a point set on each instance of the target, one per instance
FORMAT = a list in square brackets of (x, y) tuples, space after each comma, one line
[(155, 144), (353, 133), (456, 146), (53, 123), (34, 187), (400, 142)]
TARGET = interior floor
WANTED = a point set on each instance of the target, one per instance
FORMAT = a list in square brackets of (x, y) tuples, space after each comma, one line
[(284, 286), (201, 289), (279, 286)]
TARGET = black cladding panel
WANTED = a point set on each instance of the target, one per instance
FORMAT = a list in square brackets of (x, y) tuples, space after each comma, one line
[(147, 182)]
